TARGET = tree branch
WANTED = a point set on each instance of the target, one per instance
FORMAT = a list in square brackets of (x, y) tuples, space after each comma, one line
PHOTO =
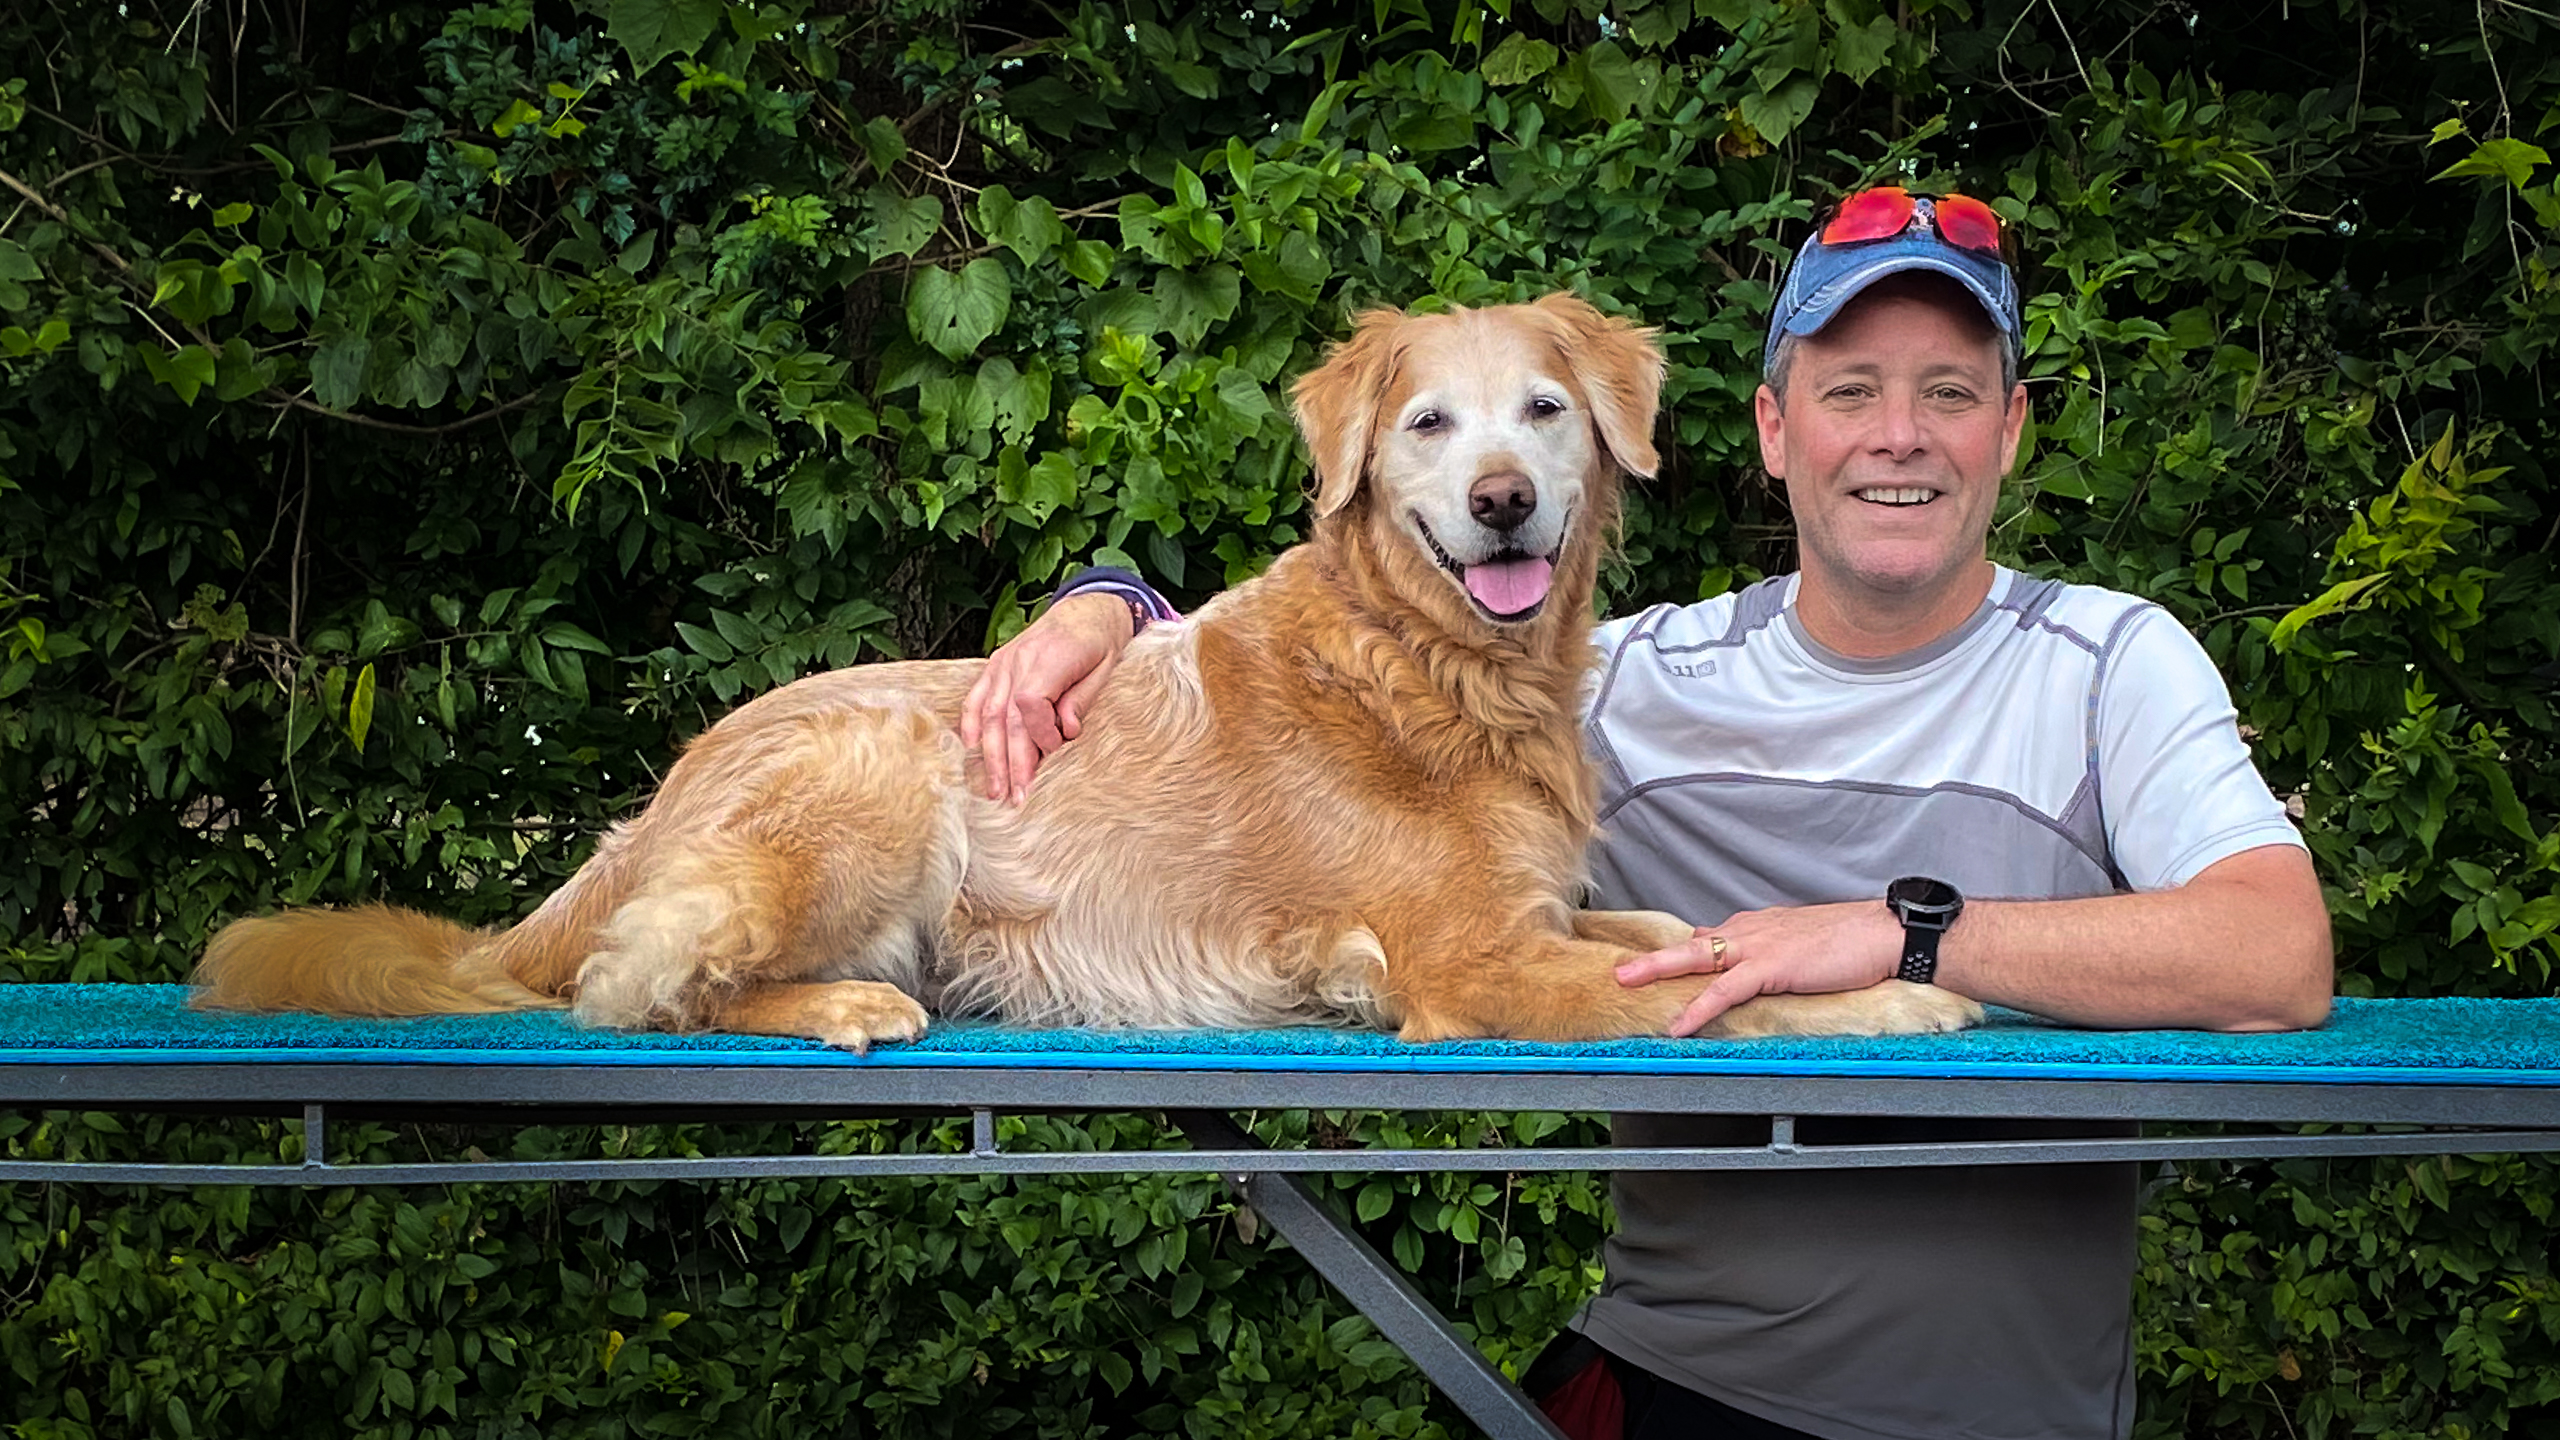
[(297, 402)]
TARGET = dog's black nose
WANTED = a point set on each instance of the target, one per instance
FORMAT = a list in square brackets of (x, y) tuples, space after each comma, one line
[(1503, 501)]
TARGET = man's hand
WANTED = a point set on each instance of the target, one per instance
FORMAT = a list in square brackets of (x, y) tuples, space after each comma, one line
[(1799, 950), (1038, 685)]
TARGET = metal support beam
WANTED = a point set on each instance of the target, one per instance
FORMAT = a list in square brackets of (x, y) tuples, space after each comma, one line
[(1374, 1288), (994, 1161)]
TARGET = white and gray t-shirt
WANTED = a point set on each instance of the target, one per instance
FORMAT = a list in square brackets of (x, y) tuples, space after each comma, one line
[(2065, 741)]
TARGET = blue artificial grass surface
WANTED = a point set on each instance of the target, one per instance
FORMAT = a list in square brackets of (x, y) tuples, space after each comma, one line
[(2448, 1041)]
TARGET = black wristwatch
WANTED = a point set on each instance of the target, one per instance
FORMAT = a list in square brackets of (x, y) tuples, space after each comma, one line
[(1926, 908)]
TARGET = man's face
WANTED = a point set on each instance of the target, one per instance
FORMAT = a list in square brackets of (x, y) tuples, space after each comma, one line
[(1893, 440)]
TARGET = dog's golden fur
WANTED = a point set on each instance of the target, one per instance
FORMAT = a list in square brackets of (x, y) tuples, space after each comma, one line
[(1343, 792)]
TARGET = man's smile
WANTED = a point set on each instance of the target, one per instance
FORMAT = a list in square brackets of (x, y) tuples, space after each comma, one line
[(1898, 494)]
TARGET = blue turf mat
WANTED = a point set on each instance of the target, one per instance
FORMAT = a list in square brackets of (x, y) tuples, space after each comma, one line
[(2452, 1041)]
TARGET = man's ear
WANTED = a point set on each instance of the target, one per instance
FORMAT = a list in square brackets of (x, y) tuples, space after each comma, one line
[(1337, 404), (1619, 366), (2013, 431)]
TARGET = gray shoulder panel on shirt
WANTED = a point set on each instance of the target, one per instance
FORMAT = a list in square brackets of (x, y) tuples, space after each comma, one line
[(1754, 609), (2106, 653), (2074, 828), (1595, 736)]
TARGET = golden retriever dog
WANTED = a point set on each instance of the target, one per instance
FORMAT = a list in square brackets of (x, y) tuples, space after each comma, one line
[(1351, 791)]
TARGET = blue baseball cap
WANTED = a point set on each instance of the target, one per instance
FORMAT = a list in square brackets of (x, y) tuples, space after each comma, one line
[(1826, 277)]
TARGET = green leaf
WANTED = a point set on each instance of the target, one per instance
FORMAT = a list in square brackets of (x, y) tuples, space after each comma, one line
[(1187, 304), (515, 117), (1776, 112), (651, 30), (187, 372), (1090, 261), (563, 635), (2337, 597), (882, 143), (1019, 399), (1517, 59), (338, 369), (1115, 1370), (1029, 228), (1859, 51), (901, 225), (705, 643), (2504, 804), (1165, 554), (1408, 1249), (737, 630), (1049, 484), (304, 278), (956, 313), (2507, 158), (360, 708), (1609, 77)]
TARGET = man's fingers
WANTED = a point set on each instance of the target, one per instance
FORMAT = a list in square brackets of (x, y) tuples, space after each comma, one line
[(995, 707), (1700, 954), (969, 726), (1722, 994), (1040, 723), (1071, 706), (1025, 755)]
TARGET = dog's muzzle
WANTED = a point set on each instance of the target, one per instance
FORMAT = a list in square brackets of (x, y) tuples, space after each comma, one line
[(1510, 585)]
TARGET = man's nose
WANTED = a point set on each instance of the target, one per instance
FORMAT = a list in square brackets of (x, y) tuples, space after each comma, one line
[(1898, 425), (1502, 501)]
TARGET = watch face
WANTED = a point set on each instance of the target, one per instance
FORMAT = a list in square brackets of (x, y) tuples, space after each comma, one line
[(1917, 897)]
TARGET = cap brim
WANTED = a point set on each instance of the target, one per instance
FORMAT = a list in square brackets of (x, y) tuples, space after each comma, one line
[(1896, 257)]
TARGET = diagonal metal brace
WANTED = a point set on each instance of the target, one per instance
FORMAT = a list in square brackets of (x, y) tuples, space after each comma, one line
[(1374, 1288)]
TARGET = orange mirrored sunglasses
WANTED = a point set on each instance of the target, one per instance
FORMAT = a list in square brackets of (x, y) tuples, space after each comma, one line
[(1886, 211)]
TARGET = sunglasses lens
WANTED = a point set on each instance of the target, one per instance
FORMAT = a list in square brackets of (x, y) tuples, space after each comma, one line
[(1968, 224), (1869, 215)]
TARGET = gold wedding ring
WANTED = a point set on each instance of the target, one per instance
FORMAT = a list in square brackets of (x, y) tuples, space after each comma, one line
[(1715, 949)]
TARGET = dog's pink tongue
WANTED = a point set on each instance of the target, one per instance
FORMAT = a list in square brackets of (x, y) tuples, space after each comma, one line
[(1507, 587)]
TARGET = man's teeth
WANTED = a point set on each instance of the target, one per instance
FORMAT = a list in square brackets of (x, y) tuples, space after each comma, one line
[(1902, 496)]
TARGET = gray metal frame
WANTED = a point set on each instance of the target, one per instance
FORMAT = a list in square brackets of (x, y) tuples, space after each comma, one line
[(2422, 1119)]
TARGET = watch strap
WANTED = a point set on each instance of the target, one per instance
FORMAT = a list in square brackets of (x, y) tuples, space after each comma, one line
[(1919, 954)]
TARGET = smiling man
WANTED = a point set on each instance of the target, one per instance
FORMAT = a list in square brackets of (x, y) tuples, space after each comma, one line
[(1902, 760)]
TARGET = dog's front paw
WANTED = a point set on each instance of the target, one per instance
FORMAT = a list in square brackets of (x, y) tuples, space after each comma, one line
[(1903, 1008), (1895, 1007)]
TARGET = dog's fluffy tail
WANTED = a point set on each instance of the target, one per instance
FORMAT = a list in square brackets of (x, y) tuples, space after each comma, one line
[(373, 960)]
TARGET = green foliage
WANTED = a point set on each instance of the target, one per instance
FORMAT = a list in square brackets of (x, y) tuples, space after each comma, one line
[(416, 420)]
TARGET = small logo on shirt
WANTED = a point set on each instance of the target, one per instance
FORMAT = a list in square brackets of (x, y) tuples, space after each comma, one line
[(1692, 669)]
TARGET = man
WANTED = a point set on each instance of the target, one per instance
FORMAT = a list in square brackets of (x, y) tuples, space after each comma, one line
[(1900, 717)]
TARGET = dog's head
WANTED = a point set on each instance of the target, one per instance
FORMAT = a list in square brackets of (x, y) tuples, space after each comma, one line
[(1486, 441)]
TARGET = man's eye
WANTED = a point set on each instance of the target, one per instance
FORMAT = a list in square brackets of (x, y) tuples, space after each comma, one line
[(1428, 421)]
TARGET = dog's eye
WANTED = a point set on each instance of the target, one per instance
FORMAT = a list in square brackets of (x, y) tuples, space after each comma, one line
[(1545, 407), (1428, 421)]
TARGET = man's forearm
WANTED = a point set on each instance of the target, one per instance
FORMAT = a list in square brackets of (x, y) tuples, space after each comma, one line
[(2243, 946)]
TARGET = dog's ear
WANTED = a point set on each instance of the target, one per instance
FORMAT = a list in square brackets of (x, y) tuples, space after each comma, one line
[(1619, 365), (1337, 405)]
